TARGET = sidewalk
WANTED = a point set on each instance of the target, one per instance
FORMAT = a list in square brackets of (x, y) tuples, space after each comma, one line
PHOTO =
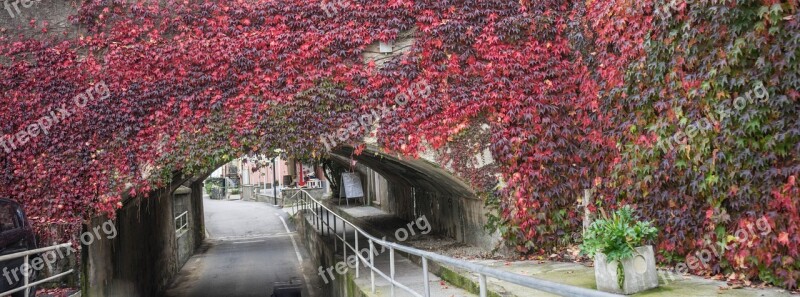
[(406, 271), (379, 223)]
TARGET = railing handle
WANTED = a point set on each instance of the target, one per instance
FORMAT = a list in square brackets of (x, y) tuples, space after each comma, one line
[(391, 267), (482, 280), (427, 282), (26, 273), (358, 253), (335, 245), (372, 264), (344, 241), (483, 271)]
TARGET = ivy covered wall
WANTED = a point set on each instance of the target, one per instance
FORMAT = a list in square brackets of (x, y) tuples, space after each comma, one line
[(620, 96)]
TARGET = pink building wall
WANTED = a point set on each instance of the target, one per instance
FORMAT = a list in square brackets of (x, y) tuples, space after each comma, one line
[(264, 174)]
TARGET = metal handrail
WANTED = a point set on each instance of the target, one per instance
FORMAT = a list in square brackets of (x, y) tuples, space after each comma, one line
[(481, 270), (297, 201), (27, 255)]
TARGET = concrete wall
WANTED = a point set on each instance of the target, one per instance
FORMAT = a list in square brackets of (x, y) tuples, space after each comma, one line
[(55, 13), (376, 188), (444, 212), (248, 192), (290, 197), (416, 187), (144, 257), (400, 46), (323, 255), (64, 261), (197, 219), (459, 217), (184, 240)]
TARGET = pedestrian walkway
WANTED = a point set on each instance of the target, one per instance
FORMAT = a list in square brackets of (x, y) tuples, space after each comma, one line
[(251, 247), (406, 271), (380, 223)]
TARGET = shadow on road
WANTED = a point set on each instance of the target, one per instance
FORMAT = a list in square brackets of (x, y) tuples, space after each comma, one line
[(251, 247)]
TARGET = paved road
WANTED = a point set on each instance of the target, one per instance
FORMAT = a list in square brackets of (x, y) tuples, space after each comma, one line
[(251, 246)]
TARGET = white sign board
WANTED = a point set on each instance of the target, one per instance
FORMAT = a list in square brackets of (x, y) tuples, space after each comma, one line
[(351, 186)]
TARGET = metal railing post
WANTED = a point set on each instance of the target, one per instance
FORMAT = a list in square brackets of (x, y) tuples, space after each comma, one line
[(358, 253), (321, 220), (372, 264), (482, 280), (391, 267), (427, 286), (26, 273), (482, 271), (335, 245), (344, 241)]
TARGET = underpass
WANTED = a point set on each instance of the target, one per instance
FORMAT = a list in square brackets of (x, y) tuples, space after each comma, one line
[(250, 247), (352, 274), (194, 246), (385, 266)]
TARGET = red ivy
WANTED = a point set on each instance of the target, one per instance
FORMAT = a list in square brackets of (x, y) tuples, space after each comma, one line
[(574, 93)]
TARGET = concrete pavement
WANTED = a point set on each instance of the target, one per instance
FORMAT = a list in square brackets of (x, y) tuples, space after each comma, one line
[(251, 246), (407, 272), (380, 223)]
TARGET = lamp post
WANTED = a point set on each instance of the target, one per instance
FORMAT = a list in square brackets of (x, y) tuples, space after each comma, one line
[(274, 179), (224, 182)]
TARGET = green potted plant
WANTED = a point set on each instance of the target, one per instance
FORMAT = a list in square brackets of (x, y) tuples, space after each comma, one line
[(623, 264)]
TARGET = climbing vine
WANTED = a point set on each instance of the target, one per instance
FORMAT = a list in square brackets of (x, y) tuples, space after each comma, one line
[(574, 95), (704, 97)]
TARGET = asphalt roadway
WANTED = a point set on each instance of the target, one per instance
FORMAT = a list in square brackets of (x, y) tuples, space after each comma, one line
[(250, 247)]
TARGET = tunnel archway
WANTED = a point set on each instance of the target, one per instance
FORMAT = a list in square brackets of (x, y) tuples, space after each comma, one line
[(232, 78), (419, 187), (267, 76), (416, 187)]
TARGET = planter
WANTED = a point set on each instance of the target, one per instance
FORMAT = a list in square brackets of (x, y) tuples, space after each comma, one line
[(640, 272)]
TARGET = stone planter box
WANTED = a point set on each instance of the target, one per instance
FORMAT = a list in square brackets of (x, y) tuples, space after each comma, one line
[(640, 272)]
